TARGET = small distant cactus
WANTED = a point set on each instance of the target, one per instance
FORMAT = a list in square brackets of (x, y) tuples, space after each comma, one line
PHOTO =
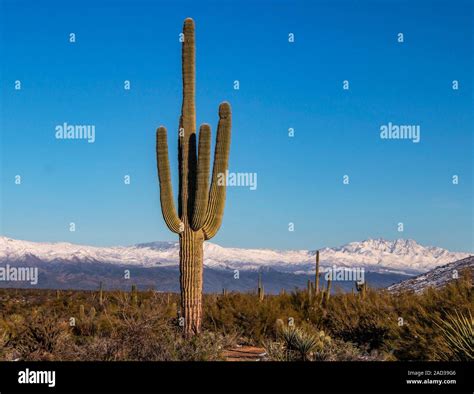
[(82, 313), (328, 290), (279, 324), (134, 294), (361, 288), (261, 291), (101, 294), (322, 297), (310, 290), (316, 279)]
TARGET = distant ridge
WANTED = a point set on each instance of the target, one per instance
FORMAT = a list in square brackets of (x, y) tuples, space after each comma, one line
[(437, 277)]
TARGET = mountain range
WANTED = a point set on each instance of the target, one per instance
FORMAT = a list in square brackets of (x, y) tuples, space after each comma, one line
[(155, 264)]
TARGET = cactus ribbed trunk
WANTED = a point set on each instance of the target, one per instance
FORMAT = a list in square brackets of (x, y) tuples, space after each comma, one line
[(200, 205), (191, 278)]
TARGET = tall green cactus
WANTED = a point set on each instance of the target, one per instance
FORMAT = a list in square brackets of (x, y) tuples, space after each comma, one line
[(200, 206)]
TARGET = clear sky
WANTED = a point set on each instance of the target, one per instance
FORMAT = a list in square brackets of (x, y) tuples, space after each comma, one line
[(282, 85)]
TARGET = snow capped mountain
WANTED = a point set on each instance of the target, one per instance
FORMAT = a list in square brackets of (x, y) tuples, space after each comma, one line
[(435, 278), (406, 255), (375, 255)]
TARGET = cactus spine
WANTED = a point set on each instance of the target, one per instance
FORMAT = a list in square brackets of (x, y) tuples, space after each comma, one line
[(316, 279), (200, 206)]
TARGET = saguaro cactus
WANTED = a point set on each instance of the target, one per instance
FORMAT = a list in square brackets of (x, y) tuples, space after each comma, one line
[(101, 294), (361, 288), (134, 294), (200, 207), (309, 290), (316, 279), (328, 289), (261, 290)]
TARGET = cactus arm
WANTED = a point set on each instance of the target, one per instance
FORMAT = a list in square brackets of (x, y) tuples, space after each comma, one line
[(188, 109), (187, 134), (215, 206), (202, 178), (166, 191)]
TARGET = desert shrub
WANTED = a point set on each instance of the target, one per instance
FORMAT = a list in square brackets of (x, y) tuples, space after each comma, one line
[(34, 325), (40, 337), (207, 346), (420, 338), (339, 350), (366, 322), (138, 334), (245, 315)]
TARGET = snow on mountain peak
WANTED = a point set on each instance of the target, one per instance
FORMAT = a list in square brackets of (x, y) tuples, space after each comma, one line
[(374, 254)]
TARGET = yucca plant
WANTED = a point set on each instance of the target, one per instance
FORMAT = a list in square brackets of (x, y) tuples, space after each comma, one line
[(457, 331), (298, 344), (305, 345), (289, 334)]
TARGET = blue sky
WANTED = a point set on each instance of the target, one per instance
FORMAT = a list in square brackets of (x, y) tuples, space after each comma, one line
[(282, 85)]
